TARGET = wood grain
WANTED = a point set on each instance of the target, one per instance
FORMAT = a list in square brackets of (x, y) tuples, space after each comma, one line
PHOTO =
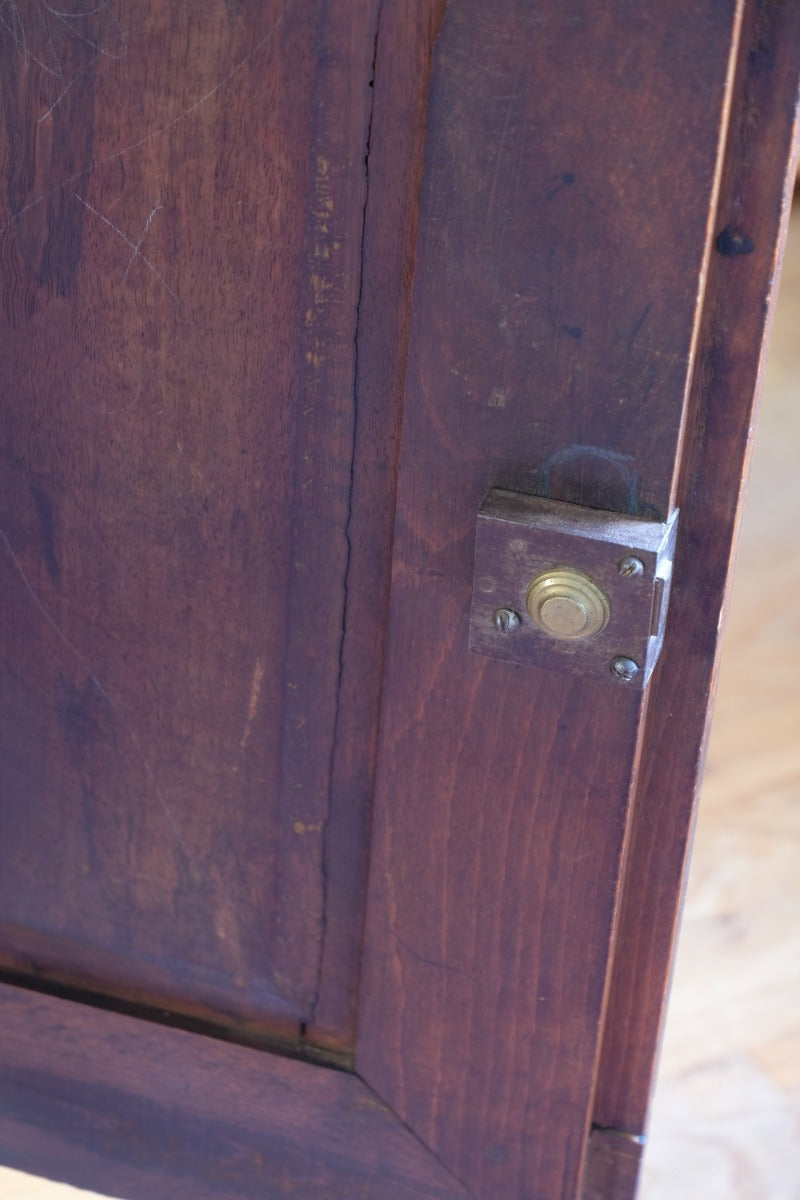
[(400, 79), (145, 1113), (724, 1119), (181, 230), (322, 408), (542, 359), (200, 584), (739, 301)]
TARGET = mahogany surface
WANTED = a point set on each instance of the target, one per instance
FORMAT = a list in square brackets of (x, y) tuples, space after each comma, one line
[(400, 79), (181, 236), (146, 1113), (286, 288), (754, 203), (551, 349)]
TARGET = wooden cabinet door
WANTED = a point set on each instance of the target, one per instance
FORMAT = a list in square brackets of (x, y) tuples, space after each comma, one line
[(299, 896)]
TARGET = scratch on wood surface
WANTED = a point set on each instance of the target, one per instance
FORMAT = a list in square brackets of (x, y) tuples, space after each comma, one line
[(153, 133), (255, 692), (501, 144), (72, 81), (17, 31), (12, 20), (135, 246), (101, 50), (434, 962), (138, 247)]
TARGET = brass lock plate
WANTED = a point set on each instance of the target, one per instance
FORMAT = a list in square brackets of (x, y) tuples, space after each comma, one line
[(571, 588)]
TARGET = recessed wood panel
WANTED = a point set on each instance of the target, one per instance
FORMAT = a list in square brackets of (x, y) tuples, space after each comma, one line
[(181, 243)]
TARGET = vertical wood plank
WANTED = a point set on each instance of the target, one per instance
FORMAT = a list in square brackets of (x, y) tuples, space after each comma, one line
[(393, 171), (552, 331), (755, 196), (319, 499)]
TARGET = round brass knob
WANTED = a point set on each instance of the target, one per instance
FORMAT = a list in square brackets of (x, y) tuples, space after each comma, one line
[(567, 604)]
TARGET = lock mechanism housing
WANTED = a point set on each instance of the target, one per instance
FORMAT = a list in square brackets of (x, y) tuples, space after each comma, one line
[(569, 588)]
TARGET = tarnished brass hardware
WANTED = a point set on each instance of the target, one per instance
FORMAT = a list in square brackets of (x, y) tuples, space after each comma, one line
[(567, 604), (589, 589)]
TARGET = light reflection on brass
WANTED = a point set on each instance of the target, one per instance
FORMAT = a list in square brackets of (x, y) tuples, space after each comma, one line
[(567, 604)]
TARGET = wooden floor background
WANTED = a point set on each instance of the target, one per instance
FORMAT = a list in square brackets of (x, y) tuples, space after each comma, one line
[(726, 1115)]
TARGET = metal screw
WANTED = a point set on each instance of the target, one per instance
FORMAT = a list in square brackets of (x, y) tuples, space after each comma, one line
[(630, 566), (624, 668), (505, 620)]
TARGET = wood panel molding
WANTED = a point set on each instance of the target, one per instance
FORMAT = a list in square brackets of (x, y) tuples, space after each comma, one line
[(139, 1111)]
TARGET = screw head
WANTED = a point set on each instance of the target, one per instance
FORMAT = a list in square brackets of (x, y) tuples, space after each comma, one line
[(624, 668), (629, 566), (505, 620)]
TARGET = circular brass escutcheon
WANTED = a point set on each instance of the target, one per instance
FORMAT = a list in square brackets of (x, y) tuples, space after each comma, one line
[(567, 604)]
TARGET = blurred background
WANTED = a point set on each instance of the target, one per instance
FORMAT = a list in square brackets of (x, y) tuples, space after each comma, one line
[(726, 1114)]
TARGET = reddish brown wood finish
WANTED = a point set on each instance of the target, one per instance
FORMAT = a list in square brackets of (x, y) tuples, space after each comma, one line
[(749, 230), (401, 73), (181, 247), (208, 251), (552, 330), (148, 1113), (318, 500)]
